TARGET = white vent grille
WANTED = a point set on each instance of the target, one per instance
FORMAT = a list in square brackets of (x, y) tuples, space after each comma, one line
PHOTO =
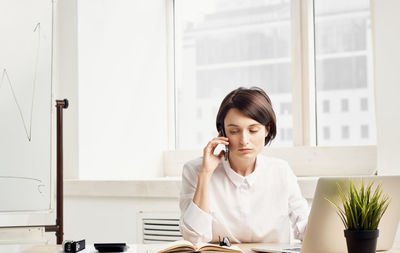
[(159, 228)]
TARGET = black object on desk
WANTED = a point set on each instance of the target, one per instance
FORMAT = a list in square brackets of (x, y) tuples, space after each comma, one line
[(110, 247), (74, 246), (225, 241)]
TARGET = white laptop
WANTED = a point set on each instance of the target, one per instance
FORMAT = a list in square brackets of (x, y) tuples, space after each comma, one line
[(324, 233)]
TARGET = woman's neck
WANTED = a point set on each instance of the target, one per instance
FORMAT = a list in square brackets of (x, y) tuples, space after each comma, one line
[(242, 167)]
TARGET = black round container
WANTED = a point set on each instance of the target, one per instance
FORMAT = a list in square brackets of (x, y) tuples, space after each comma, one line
[(361, 241)]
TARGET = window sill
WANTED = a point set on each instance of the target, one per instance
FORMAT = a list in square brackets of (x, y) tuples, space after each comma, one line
[(304, 161), (166, 187)]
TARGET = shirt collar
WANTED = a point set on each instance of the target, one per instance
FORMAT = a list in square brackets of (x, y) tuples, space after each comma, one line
[(237, 179)]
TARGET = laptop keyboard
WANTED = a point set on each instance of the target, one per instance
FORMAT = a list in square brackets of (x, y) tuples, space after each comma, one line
[(294, 249)]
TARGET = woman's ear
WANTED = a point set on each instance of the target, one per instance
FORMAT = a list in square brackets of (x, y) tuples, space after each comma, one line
[(267, 128)]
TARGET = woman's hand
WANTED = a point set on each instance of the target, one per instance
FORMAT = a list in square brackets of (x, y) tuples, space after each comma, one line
[(211, 161)]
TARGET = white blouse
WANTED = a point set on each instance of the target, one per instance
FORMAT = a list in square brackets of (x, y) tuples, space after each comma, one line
[(255, 208)]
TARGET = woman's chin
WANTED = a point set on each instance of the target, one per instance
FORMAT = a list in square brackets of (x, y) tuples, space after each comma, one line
[(241, 155)]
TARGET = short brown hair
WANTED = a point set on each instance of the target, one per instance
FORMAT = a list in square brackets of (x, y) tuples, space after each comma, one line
[(252, 102)]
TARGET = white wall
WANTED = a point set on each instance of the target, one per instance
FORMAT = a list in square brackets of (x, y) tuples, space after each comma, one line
[(386, 39), (109, 219), (65, 78), (133, 125), (123, 127)]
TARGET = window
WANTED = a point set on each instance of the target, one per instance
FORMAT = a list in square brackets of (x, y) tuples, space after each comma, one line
[(289, 133), (199, 113), (345, 132), (327, 133), (221, 45), (364, 132), (214, 46), (345, 105), (285, 108), (343, 60), (364, 104), (326, 108), (282, 134)]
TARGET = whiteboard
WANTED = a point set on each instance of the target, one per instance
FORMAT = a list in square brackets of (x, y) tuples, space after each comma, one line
[(25, 105)]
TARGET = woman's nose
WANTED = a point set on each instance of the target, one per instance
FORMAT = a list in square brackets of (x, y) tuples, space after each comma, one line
[(244, 138)]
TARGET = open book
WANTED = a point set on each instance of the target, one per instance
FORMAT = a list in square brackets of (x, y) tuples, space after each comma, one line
[(186, 246)]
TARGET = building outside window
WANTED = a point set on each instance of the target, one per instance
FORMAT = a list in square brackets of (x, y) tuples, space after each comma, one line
[(364, 131), (326, 133), (364, 104), (344, 105), (343, 53), (221, 45), (285, 108), (345, 132), (326, 106)]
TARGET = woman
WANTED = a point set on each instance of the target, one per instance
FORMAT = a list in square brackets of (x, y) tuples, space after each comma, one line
[(247, 197)]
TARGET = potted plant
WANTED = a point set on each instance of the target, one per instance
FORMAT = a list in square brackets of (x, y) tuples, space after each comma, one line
[(362, 210)]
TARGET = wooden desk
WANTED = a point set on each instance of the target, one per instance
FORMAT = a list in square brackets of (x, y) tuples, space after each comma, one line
[(141, 248)]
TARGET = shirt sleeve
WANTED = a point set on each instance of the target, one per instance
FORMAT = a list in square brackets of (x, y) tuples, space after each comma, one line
[(195, 224), (298, 206)]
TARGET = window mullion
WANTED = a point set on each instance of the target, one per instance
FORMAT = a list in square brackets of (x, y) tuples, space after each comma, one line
[(308, 73), (171, 104), (297, 90)]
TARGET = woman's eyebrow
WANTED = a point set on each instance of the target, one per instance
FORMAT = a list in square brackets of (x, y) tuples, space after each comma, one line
[(255, 124)]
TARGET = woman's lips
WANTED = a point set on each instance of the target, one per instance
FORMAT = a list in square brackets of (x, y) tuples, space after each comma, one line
[(245, 150)]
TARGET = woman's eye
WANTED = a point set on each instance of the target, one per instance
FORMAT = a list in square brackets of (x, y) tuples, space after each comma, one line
[(233, 132), (253, 130)]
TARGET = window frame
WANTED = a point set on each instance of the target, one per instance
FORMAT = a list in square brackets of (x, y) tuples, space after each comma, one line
[(303, 85)]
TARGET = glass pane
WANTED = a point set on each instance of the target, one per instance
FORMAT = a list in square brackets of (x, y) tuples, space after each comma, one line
[(224, 44), (344, 81)]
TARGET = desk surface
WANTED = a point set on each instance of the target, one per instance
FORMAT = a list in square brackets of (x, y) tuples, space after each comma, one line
[(141, 248)]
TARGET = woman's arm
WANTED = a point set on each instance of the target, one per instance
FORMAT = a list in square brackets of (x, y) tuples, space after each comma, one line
[(201, 197), (210, 162), (298, 207), (196, 222)]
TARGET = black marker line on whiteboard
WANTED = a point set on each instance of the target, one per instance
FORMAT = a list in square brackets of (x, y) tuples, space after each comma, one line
[(40, 185), (5, 74)]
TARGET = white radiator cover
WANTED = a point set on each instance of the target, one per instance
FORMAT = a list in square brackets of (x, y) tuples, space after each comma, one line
[(158, 227)]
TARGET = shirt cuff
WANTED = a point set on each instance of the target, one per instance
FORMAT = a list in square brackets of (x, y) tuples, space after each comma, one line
[(300, 229), (199, 220)]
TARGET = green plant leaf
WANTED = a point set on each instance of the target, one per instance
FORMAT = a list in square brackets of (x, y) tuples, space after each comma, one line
[(363, 207)]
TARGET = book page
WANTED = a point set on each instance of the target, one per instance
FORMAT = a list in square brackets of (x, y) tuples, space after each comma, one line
[(178, 246), (208, 247)]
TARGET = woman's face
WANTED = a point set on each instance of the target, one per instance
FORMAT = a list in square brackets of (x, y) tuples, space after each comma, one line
[(246, 135)]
